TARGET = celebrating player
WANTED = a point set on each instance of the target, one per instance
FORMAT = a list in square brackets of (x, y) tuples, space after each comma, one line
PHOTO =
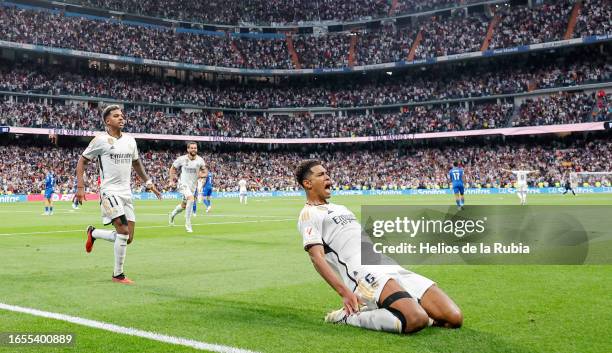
[(521, 182), (190, 166), (456, 177), (397, 300), (242, 191), (49, 189), (116, 153)]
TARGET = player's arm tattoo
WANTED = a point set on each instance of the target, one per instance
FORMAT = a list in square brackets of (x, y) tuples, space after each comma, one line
[(139, 169)]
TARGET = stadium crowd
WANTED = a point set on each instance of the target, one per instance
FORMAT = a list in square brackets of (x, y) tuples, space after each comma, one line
[(595, 18), (396, 168), (475, 81), (441, 36), (450, 36), (559, 109), (383, 45), (267, 11), (522, 25), (564, 108)]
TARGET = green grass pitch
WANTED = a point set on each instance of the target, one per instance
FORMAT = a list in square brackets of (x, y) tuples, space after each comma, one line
[(242, 280)]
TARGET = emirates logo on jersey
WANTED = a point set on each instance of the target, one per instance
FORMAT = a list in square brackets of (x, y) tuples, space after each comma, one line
[(344, 219)]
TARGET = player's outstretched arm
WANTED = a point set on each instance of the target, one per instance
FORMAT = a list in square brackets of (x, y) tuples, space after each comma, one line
[(80, 172), (139, 169), (349, 299)]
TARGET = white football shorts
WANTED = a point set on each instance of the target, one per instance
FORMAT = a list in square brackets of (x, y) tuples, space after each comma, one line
[(115, 205)]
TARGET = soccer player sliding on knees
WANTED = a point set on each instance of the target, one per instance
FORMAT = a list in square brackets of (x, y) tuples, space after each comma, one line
[(396, 300), (116, 153)]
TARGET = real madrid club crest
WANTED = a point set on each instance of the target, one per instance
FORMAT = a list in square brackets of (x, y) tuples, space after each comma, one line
[(111, 141)]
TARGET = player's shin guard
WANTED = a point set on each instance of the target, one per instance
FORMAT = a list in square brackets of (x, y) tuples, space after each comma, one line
[(188, 211), (120, 250), (379, 320), (108, 235)]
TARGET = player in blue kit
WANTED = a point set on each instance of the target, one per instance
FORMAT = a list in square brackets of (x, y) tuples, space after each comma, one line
[(204, 189), (456, 177), (49, 189), (207, 190)]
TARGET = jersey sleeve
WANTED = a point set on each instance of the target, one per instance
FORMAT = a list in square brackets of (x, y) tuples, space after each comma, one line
[(94, 149), (178, 163), (310, 228), (135, 151)]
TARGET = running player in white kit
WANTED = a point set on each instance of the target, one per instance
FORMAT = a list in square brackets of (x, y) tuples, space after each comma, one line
[(116, 154), (242, 191), (190, 165), (521, 183), (396, 299)]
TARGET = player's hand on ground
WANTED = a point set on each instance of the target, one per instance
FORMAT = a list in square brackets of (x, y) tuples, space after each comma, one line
[(350, 302)]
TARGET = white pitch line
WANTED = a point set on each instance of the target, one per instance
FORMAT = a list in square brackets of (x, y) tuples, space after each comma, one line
[(96, 212), (161, 226), (126, 330)]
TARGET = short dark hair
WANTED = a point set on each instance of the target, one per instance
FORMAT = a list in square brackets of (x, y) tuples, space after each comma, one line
[(189, 143), (106, 112), (455, 164), (303, 171)]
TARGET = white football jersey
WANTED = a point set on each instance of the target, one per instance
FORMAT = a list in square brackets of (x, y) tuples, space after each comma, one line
[(115, 157), (521, 177), (242, 185), (337, 229), (189, 170)]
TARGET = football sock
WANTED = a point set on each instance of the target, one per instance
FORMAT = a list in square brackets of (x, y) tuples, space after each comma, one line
[(207, 202), (188, 211), (458, 202), (108, 235), (178, 209), (195, 206), (46, 209), (120, 249), (379, 320)]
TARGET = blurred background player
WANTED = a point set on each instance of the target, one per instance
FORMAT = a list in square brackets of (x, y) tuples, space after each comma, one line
[(117, 153), (49, 189), (569, 184), (242, 191), (207, 190), (456, 177), (397, 300), (521, 182), (198, 192), (190, 165), (75, 199)]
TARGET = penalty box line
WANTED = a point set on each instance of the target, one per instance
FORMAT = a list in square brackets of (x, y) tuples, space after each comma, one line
[(126, 330)]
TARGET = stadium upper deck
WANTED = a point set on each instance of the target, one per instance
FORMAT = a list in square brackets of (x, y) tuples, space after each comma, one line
[(425, 39)]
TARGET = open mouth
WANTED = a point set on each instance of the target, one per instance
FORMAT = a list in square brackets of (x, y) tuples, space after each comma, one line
[(328, 186)]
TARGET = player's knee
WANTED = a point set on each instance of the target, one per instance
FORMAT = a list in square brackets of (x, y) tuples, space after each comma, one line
[(415, 321), (454, 319)]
